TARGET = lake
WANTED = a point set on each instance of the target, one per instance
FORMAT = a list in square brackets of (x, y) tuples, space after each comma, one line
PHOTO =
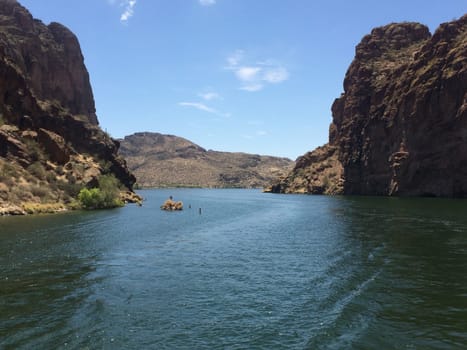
[(252, 271)]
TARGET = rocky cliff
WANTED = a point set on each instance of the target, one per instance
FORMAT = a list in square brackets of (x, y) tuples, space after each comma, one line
[(165, 160), (50, 141), (400, 127), (316, 172)]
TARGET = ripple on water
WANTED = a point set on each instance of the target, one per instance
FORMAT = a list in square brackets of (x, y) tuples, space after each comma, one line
[(253, 271)]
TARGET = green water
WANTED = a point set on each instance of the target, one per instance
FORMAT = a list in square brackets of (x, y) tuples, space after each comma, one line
[(253, 271)]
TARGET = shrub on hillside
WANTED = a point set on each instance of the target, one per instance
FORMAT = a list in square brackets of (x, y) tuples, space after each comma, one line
[(38, 170), (90, 198), (105, 196)]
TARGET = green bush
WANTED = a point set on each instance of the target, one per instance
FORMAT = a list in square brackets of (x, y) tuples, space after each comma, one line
[(110, 188), (106, 196), (90, 198)]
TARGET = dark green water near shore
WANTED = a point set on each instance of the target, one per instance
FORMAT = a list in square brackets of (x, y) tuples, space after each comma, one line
[(253, 271)]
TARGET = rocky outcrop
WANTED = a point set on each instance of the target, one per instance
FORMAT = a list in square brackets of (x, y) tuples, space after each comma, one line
[(50, 141), (166, 161), (400, 126), (317, 172), (54, 145), (171, 205), (49, 61)]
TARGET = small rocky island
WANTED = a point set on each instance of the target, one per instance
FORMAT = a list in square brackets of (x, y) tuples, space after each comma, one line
[(171, 205)]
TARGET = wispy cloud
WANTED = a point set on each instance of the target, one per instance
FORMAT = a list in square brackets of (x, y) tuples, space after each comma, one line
[(255, 76), (129, 10), (276, 75), (202, 107), (199, 106), (252, 87), (235, 58), (209, 96), (247, 74), (255, 134), (207, 2)]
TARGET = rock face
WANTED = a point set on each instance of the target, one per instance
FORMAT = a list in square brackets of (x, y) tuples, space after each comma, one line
[(165, 161), (50, 140), (400, 127), (317, 172), (49, 61)]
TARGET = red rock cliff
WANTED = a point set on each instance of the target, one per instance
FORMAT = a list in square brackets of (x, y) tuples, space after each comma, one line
[(401, 123), (400, 127), (50, 140), (48, 58)]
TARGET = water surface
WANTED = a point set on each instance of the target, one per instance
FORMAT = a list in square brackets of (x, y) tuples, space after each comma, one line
[(253, 271)]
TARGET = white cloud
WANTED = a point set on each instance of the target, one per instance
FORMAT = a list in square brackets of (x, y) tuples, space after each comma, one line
[(129, 10), (276, 75), (235, 58), (247, 73), (207, 2), (254, 77), (199, 106), (261, 133), (209, 96), (202, 107)]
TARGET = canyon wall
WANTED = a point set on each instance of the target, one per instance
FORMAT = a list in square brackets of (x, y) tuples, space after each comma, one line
[(50, 140), (400, 126)]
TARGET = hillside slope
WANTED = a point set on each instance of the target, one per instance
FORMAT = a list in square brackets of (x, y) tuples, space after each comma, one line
[(165, 160), (50, 141)]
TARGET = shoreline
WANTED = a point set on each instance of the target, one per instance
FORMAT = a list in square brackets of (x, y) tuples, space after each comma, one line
[(32, 208)]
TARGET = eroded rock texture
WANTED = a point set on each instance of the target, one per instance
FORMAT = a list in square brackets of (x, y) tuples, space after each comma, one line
[(400, 127), (49, 134)]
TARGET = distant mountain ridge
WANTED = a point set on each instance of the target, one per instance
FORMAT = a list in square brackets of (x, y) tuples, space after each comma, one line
[(159, 160)]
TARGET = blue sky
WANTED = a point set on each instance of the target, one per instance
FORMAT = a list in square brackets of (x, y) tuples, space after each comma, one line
[(256, 76)]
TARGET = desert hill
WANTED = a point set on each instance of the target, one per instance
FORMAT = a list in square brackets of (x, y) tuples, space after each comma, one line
[(165, 160)]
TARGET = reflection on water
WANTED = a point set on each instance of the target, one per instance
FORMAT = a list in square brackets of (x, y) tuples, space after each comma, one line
[(254, 271), (43, 277)]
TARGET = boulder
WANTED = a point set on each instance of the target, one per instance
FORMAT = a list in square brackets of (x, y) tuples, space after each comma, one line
[(172, 205), (54, 145)]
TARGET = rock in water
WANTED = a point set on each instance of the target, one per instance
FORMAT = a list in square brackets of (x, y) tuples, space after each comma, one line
[(172, 205)]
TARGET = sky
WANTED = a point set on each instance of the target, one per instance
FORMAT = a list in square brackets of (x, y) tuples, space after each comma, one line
[(255, 76)]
